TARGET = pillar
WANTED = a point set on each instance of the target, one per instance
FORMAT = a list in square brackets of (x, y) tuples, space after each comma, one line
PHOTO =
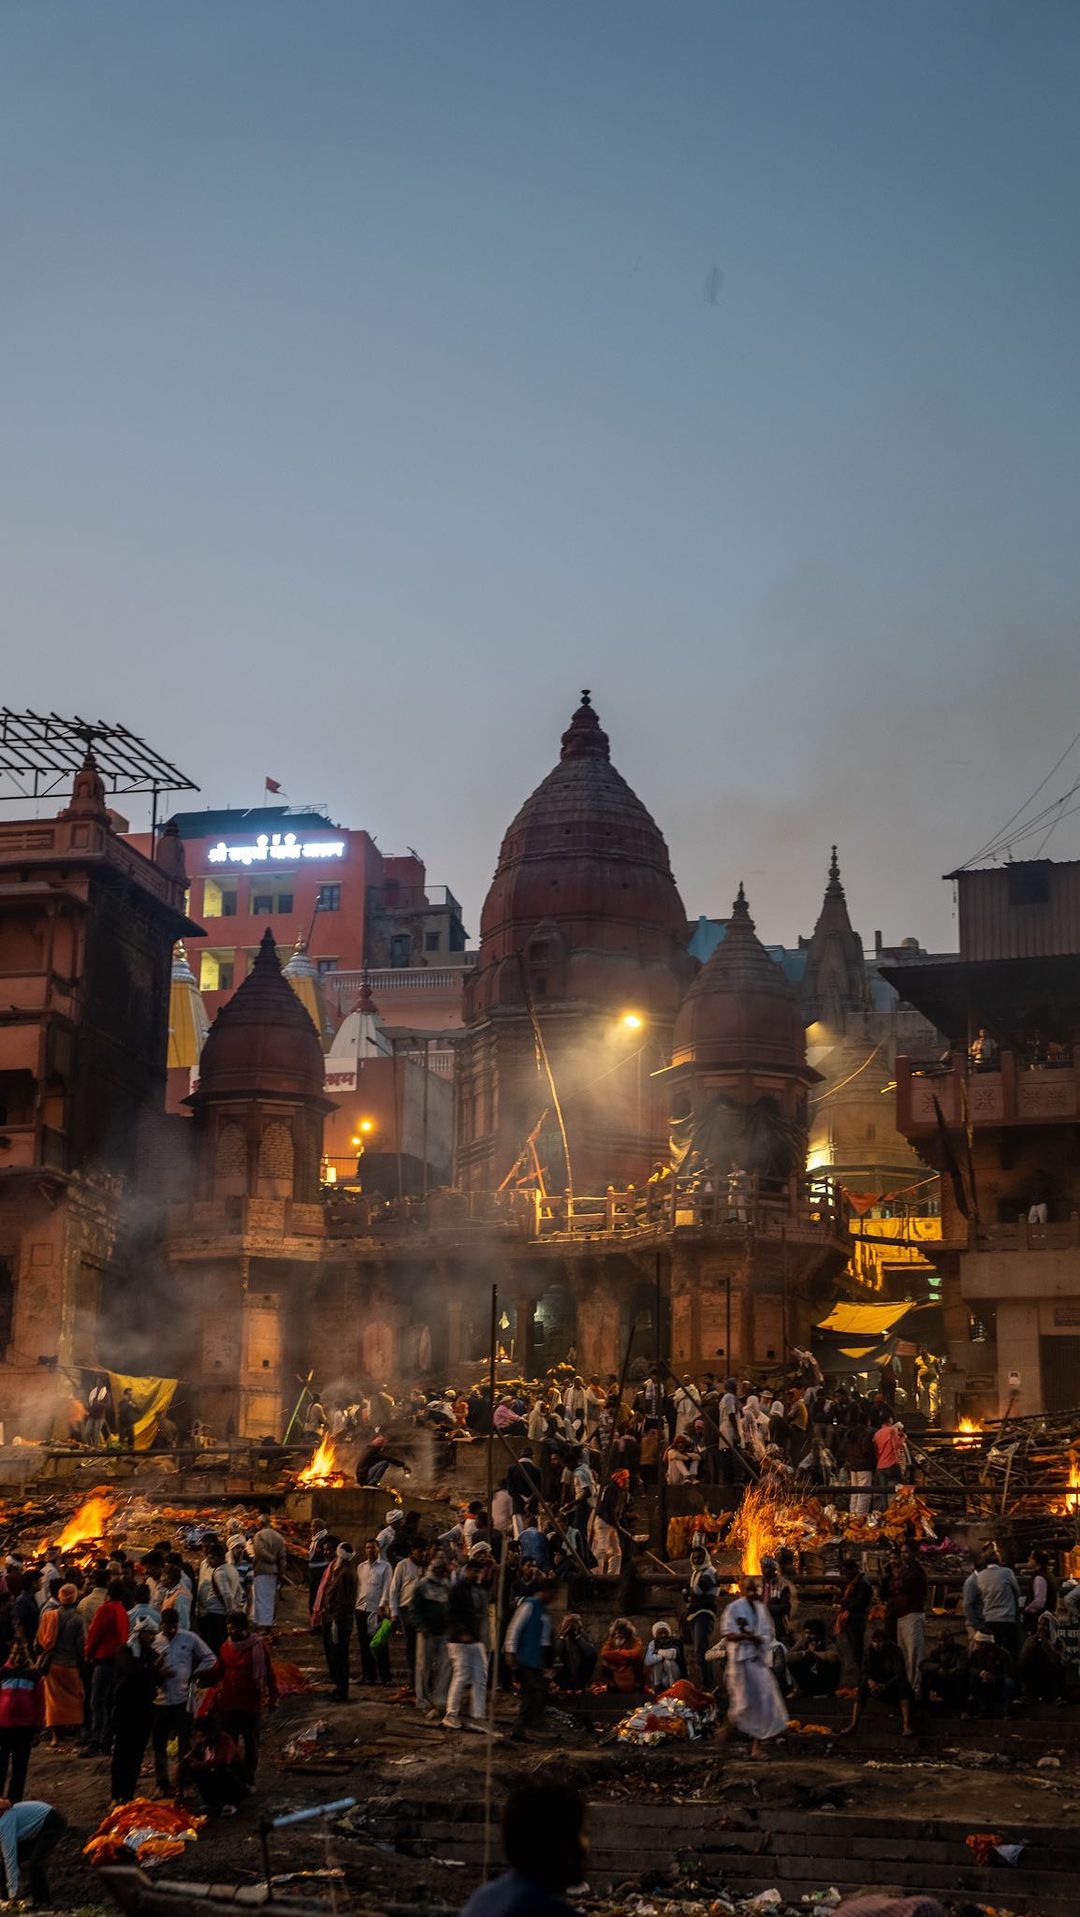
[(523, 1317)]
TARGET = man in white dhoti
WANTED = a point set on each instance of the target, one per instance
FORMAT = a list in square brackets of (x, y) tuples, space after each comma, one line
[(755, 1704), (269, 1570)]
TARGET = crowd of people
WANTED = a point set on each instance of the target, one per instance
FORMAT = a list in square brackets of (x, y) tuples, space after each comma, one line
[(148, 1651)]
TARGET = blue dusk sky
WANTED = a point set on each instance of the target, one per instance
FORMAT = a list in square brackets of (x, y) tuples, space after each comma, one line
[(376, 373)]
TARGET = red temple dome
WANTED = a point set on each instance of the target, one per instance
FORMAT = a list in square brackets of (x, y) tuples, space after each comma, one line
[(583, 906), (262, 1040), (740, 1011)]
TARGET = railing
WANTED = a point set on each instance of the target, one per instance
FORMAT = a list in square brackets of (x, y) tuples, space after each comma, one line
[(440, 1062), (415, 898), (1012, 1093), (396, 978), (768, 1208), (1063, 1235)]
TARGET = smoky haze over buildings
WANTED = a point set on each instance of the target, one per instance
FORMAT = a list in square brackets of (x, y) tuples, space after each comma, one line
[(362, 403)]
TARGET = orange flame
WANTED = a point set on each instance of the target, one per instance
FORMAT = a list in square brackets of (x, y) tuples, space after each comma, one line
[(322, 1467), (755, 1529), (968, 1428), (89, 1523)]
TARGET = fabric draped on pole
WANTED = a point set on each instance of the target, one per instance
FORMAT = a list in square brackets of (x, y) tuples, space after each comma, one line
[(152, 1397)]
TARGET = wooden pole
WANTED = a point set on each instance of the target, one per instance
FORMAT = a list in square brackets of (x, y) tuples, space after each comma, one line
[(661, 1367), (491, 1389)]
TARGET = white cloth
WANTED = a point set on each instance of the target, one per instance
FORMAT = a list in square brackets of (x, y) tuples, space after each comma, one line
[(911, 1637), (468, 1675), (263, 1598), (502, 1511), (860, 1505), (755, 1704), (687, 1403)]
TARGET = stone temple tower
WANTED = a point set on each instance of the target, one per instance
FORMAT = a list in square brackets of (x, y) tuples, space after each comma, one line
[(581, 968)]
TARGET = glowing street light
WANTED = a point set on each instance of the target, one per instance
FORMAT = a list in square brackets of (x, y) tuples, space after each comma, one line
[(633, 1021)]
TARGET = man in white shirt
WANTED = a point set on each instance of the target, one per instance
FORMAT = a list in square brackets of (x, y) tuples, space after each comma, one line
[(386, 1536), (403, 1581), (182, 1656), (372, 1584)]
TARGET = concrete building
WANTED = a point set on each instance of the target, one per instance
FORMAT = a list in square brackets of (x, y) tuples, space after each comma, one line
[(87, 928), (328, 891), (999, 1122)]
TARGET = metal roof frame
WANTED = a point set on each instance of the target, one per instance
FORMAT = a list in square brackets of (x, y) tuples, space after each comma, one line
[(40, 753)]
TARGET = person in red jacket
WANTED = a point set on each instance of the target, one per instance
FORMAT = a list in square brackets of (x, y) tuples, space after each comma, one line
[(108, 1631), (244, 1684), (22, 1714)]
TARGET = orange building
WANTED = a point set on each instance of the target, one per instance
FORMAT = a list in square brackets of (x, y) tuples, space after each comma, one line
[(87, 928)]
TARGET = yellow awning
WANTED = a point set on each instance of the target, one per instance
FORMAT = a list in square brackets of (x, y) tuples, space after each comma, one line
[(865, 1321)]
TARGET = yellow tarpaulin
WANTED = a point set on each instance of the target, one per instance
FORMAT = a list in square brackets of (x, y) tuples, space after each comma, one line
[(152, 1396), (865, 1321)]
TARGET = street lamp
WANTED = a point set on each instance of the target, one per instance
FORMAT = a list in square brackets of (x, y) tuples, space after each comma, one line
[(632, 1021)]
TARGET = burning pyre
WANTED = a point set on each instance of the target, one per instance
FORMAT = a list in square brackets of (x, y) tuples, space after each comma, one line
[(322, 1468), (90, 1523)]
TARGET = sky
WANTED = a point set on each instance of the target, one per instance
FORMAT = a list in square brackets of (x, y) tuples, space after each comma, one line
[(377, 373)]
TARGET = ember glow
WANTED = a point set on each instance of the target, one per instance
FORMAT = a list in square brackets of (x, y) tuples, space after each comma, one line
[(969, 1428), (89, 1523), (322, 1467)]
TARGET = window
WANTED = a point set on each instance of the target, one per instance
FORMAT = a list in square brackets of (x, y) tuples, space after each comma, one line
[(329, 899), (326, 965), (217, 971), (399, 948), (219, 901), (538, 952), (268, 904), (432, 941), (539, 987), (1029, 884)]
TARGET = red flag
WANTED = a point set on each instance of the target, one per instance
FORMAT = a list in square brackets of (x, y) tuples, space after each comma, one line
[(272, 785)]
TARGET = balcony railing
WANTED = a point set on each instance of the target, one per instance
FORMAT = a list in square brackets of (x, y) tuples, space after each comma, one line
[(396, 978), (1010, 1094), (768, 1208), (1060, 1235)]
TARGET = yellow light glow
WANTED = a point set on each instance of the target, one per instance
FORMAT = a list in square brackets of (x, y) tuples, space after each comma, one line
[(367, 1124), (632, 1021)]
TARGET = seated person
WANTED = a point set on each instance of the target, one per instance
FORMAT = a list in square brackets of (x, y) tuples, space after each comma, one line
[(212, 1763), (622, 1658), (944, 1676), (990, 1678), (664, 1661), (883, 1681), (575, 1655), (814, 1664), (1042, 1667)]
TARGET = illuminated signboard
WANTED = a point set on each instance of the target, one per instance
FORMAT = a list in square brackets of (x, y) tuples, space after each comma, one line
[(285, 846)]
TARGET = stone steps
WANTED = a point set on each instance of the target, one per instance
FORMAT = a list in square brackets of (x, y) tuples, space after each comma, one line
[(751, 1849)]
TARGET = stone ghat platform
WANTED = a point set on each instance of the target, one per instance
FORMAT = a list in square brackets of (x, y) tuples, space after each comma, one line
[(745, 1848)]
